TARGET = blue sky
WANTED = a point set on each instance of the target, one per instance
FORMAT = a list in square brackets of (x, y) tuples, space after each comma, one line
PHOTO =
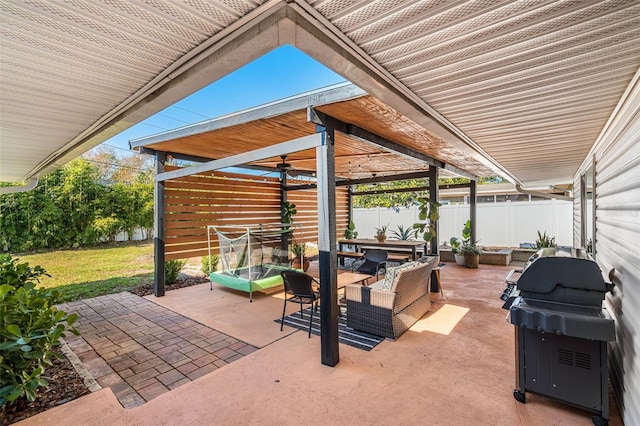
[(279, 74)]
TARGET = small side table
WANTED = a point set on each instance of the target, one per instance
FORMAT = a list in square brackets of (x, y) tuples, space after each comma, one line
[(435, 277)]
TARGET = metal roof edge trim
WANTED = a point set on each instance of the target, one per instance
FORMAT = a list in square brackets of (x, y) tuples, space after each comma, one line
[(26, 186), (335, 93), (175, 70)]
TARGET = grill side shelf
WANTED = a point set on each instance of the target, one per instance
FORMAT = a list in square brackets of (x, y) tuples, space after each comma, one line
[(575, 321)]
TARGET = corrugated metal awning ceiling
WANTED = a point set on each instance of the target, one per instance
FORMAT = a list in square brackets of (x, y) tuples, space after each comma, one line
[(525, 86), (533, 83)]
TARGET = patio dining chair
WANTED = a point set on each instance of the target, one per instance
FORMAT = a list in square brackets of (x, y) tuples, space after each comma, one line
[(372, 262), (298, 288)]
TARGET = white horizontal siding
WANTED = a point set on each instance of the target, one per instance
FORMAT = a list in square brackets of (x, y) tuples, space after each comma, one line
[(577, 213), (617, 199)]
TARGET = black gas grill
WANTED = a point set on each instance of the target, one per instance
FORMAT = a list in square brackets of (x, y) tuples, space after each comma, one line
[(561, 329)]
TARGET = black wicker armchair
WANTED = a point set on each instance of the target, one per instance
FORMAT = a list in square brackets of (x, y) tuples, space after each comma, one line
[(372, 263)]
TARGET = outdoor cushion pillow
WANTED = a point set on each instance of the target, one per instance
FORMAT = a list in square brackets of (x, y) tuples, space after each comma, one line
[(392, 273)]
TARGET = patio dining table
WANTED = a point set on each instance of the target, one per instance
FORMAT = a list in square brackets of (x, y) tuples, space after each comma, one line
[(385, 245)]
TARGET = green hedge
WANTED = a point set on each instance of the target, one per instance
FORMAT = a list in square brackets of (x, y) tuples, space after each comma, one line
[(30, 329)]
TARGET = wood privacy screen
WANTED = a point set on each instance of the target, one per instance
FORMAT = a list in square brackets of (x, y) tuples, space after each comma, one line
[(193, 202)]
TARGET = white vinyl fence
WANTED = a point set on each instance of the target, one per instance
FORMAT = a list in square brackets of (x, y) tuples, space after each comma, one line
[(499, 224)]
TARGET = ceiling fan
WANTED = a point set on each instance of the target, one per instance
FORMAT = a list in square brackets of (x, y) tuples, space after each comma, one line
[(287, 168), (284, 166)]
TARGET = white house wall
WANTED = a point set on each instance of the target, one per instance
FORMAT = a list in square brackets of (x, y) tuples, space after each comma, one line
[(499, 224), (617, 238)]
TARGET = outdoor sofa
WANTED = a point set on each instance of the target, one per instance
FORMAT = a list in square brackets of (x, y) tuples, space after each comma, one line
[(393, 304)]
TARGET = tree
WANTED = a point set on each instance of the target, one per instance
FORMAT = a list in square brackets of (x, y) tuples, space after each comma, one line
[(406, 199), (77, 206)]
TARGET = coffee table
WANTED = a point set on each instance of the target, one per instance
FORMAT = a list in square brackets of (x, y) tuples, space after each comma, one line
[(345, 278)]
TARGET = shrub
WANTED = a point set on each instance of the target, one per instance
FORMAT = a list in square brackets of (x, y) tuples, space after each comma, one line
[(171, 270), (210, 260), (31, 326)]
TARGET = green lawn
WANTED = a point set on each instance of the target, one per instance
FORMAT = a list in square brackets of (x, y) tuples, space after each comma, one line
[(91, 272)]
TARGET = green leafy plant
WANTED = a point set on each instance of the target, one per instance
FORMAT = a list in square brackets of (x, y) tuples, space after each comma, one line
[(350, 232), (470, 248), (75, 206), (31, 327), (429, 214), (545, 241), (209, 263), (299, 249), (402, 233), (287, 211), (171, 270), (458, 243), (455, 244), (18, 274)]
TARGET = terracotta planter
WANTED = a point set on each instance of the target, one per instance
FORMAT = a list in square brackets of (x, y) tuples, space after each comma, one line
[(471, 260), (296, 263), (381, 238)]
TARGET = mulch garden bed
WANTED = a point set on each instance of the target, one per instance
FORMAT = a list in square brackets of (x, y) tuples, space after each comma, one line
[(183, 281), (64, 385), (64, 382)]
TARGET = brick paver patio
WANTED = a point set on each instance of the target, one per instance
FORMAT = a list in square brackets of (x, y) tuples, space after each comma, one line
[(142, 350)]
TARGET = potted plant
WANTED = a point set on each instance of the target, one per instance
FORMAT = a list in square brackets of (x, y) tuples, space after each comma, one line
[(471, 254), (455, 249), (381, 233), (456, 243), (350, 232), (403, 234), (544, 240), (466, 248), (299, 260)]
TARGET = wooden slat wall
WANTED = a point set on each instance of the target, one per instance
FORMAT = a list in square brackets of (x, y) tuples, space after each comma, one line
[(306, 202), (193, 202)]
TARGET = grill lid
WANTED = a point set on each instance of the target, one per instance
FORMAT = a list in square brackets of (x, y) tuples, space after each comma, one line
[(563, 275)]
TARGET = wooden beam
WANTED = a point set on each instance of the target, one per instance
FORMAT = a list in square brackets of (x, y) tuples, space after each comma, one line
[(363, 135), (295, 145), (393, 191)]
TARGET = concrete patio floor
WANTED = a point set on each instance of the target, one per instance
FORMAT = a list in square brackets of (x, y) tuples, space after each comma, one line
[(455, 366)]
